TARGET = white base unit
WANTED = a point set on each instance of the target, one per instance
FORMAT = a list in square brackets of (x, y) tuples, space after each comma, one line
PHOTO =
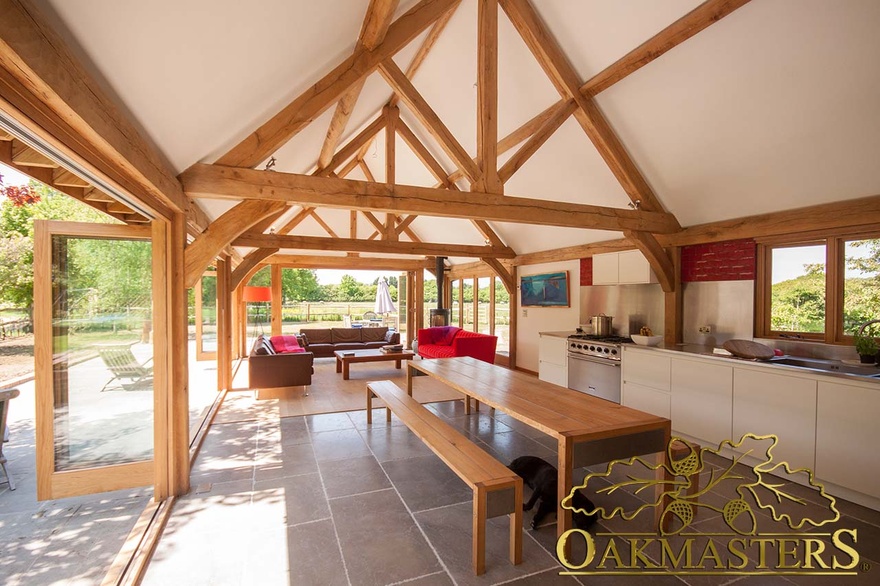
[(847, 437), (646, 399), (781, 405), (553, 360), (702, 400)]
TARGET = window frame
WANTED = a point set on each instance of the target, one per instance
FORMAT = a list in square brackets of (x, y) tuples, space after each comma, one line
[(835, 271)]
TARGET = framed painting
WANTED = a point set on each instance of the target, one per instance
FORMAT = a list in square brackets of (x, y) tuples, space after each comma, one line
[(547, 290)]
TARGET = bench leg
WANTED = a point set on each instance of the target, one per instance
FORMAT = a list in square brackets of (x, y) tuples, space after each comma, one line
[(479, 522), (369, 406), (516, 524), (388, 414)]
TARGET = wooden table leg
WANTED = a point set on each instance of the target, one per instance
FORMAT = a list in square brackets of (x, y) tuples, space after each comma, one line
[(663, 473), (345, 365), (397, 364), (467, 405), (369, 406), (479, 530), (566, 465), (409, 379), (338, 364), (516, 524)]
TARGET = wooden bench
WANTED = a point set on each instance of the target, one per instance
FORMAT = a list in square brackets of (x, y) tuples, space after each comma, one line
[(497, 490)]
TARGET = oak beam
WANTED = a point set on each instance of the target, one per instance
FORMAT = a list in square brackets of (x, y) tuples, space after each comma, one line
[(352, 146), (382, 246), (376, 22), (250, 262), (506, 275), (657, 257), (279, 129), (391, 116), (673, 328), (323, 224), (228, 182), (421, 151), (221, 232), (413, 99), (404, 224), (295, 221), (487, 96), (536, 140), (555, 64), (295, 261)]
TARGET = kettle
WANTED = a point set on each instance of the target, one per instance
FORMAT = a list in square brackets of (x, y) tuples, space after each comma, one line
[(601, 324)]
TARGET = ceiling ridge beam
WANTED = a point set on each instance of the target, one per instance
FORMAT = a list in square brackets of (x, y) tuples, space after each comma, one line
[(487, 97), (376, 22), (222, 231), (284, 125), (558, 68), (258, 240), (348, 262), (213, 181), (428, 118)]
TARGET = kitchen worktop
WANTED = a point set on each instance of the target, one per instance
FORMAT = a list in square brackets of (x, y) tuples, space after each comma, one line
[(562, 334), (706, 352)]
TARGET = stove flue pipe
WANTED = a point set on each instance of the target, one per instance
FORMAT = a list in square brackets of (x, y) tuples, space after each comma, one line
[(441, 279)]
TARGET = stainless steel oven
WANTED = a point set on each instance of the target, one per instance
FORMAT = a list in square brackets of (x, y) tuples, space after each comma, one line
[(594, 365)]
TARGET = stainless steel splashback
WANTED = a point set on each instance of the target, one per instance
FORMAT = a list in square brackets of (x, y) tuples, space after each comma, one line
[(727, 306), (632, 306)]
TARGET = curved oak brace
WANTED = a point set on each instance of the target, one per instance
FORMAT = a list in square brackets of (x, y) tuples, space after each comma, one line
[(506, 276), (221, 232), (657, 257), (251, 261)]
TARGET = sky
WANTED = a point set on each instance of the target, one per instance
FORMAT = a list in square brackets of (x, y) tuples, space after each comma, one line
[(12, 177), (334, 277)]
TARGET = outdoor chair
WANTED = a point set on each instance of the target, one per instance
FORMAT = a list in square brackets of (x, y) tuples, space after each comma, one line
[(371, 319), (122, 363), (5, 397)]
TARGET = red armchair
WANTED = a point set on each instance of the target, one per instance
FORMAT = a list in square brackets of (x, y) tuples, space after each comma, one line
[(449, 341)]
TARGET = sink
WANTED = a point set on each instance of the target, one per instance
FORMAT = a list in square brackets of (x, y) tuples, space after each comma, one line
[(836, 366)]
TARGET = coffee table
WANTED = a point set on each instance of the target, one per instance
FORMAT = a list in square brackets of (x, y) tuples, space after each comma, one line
[(345, 357)]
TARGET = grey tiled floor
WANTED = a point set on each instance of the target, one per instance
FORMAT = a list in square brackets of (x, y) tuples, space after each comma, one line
[(325, 499)]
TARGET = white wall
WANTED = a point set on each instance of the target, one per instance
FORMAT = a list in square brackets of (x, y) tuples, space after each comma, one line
[(544, 319)]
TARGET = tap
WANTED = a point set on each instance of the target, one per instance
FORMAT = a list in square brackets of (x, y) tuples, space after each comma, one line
[(865, 325)]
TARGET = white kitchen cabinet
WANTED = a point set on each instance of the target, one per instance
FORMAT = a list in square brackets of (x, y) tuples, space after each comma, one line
[(702, 400), (622, 268), (778, 404), (646, 399), (646, 367), (605, 269), (847, 437), (633, 267), (553, 360), (645, 381)]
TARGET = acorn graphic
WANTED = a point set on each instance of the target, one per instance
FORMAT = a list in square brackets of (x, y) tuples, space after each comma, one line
[(734, 510)]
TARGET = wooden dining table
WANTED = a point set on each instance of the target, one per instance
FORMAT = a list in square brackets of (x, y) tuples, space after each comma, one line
[(588, 430)]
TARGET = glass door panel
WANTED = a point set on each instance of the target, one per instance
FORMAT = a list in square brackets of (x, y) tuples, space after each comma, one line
[(206, 317), (93, 358)]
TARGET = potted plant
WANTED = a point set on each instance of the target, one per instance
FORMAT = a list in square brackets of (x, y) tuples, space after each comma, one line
[(866, 346)]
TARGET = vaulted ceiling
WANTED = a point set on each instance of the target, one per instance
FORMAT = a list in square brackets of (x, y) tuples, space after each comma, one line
[(772, 107)]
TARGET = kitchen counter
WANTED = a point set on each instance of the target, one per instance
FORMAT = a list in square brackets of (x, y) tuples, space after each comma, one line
[(563, 334), (706, 352)]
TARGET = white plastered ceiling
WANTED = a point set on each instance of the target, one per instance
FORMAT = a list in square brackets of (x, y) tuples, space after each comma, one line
[(772, 108)]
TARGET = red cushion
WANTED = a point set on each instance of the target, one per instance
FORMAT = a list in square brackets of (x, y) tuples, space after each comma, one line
[(286, 344)]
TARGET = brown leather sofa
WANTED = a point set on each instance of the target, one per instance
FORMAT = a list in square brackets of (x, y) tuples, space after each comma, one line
[(267, 369), (324, 342)]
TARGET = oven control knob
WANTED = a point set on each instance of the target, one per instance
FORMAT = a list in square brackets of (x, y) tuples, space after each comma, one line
[(579, 346), (592, 348), (614, 351), (605, 350)]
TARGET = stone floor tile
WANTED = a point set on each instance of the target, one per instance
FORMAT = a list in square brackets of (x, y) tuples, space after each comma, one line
[(450, 532), (507, 446), (359, 419), (479, 425), (353, 476), (385, 546), (291, 460), (302, 496), (437, 579), (339, 445), (394, 443), (328, 422), (427, 483), (313, 555)]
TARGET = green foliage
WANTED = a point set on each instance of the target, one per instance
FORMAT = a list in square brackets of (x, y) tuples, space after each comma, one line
[(866, 345), (798, 305), (300, 285)]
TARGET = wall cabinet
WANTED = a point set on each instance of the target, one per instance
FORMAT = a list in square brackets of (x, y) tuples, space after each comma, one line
[(847, 437), (553, 360), (622, 268), (702, 400), (778, 404)]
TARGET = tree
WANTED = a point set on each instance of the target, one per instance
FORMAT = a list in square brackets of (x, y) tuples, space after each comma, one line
[(300, 285)]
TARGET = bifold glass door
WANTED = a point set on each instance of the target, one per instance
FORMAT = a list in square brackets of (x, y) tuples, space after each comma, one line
[(93, 356)]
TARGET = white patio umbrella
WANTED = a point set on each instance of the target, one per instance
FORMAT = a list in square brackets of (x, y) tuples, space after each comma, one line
[(384, 304)]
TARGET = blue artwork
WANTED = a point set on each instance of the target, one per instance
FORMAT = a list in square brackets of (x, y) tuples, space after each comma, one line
[(548, 290)]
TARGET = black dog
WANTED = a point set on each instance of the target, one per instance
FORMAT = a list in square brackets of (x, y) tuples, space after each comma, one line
[(541, 477)]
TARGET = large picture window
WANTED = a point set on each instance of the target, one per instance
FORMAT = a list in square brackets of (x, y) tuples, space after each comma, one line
[(821, 289)]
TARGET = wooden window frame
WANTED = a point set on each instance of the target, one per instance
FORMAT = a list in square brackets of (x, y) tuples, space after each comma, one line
[(835, 246)]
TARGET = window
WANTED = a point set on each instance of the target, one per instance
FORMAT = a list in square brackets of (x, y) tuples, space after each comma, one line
[(820, 290)]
